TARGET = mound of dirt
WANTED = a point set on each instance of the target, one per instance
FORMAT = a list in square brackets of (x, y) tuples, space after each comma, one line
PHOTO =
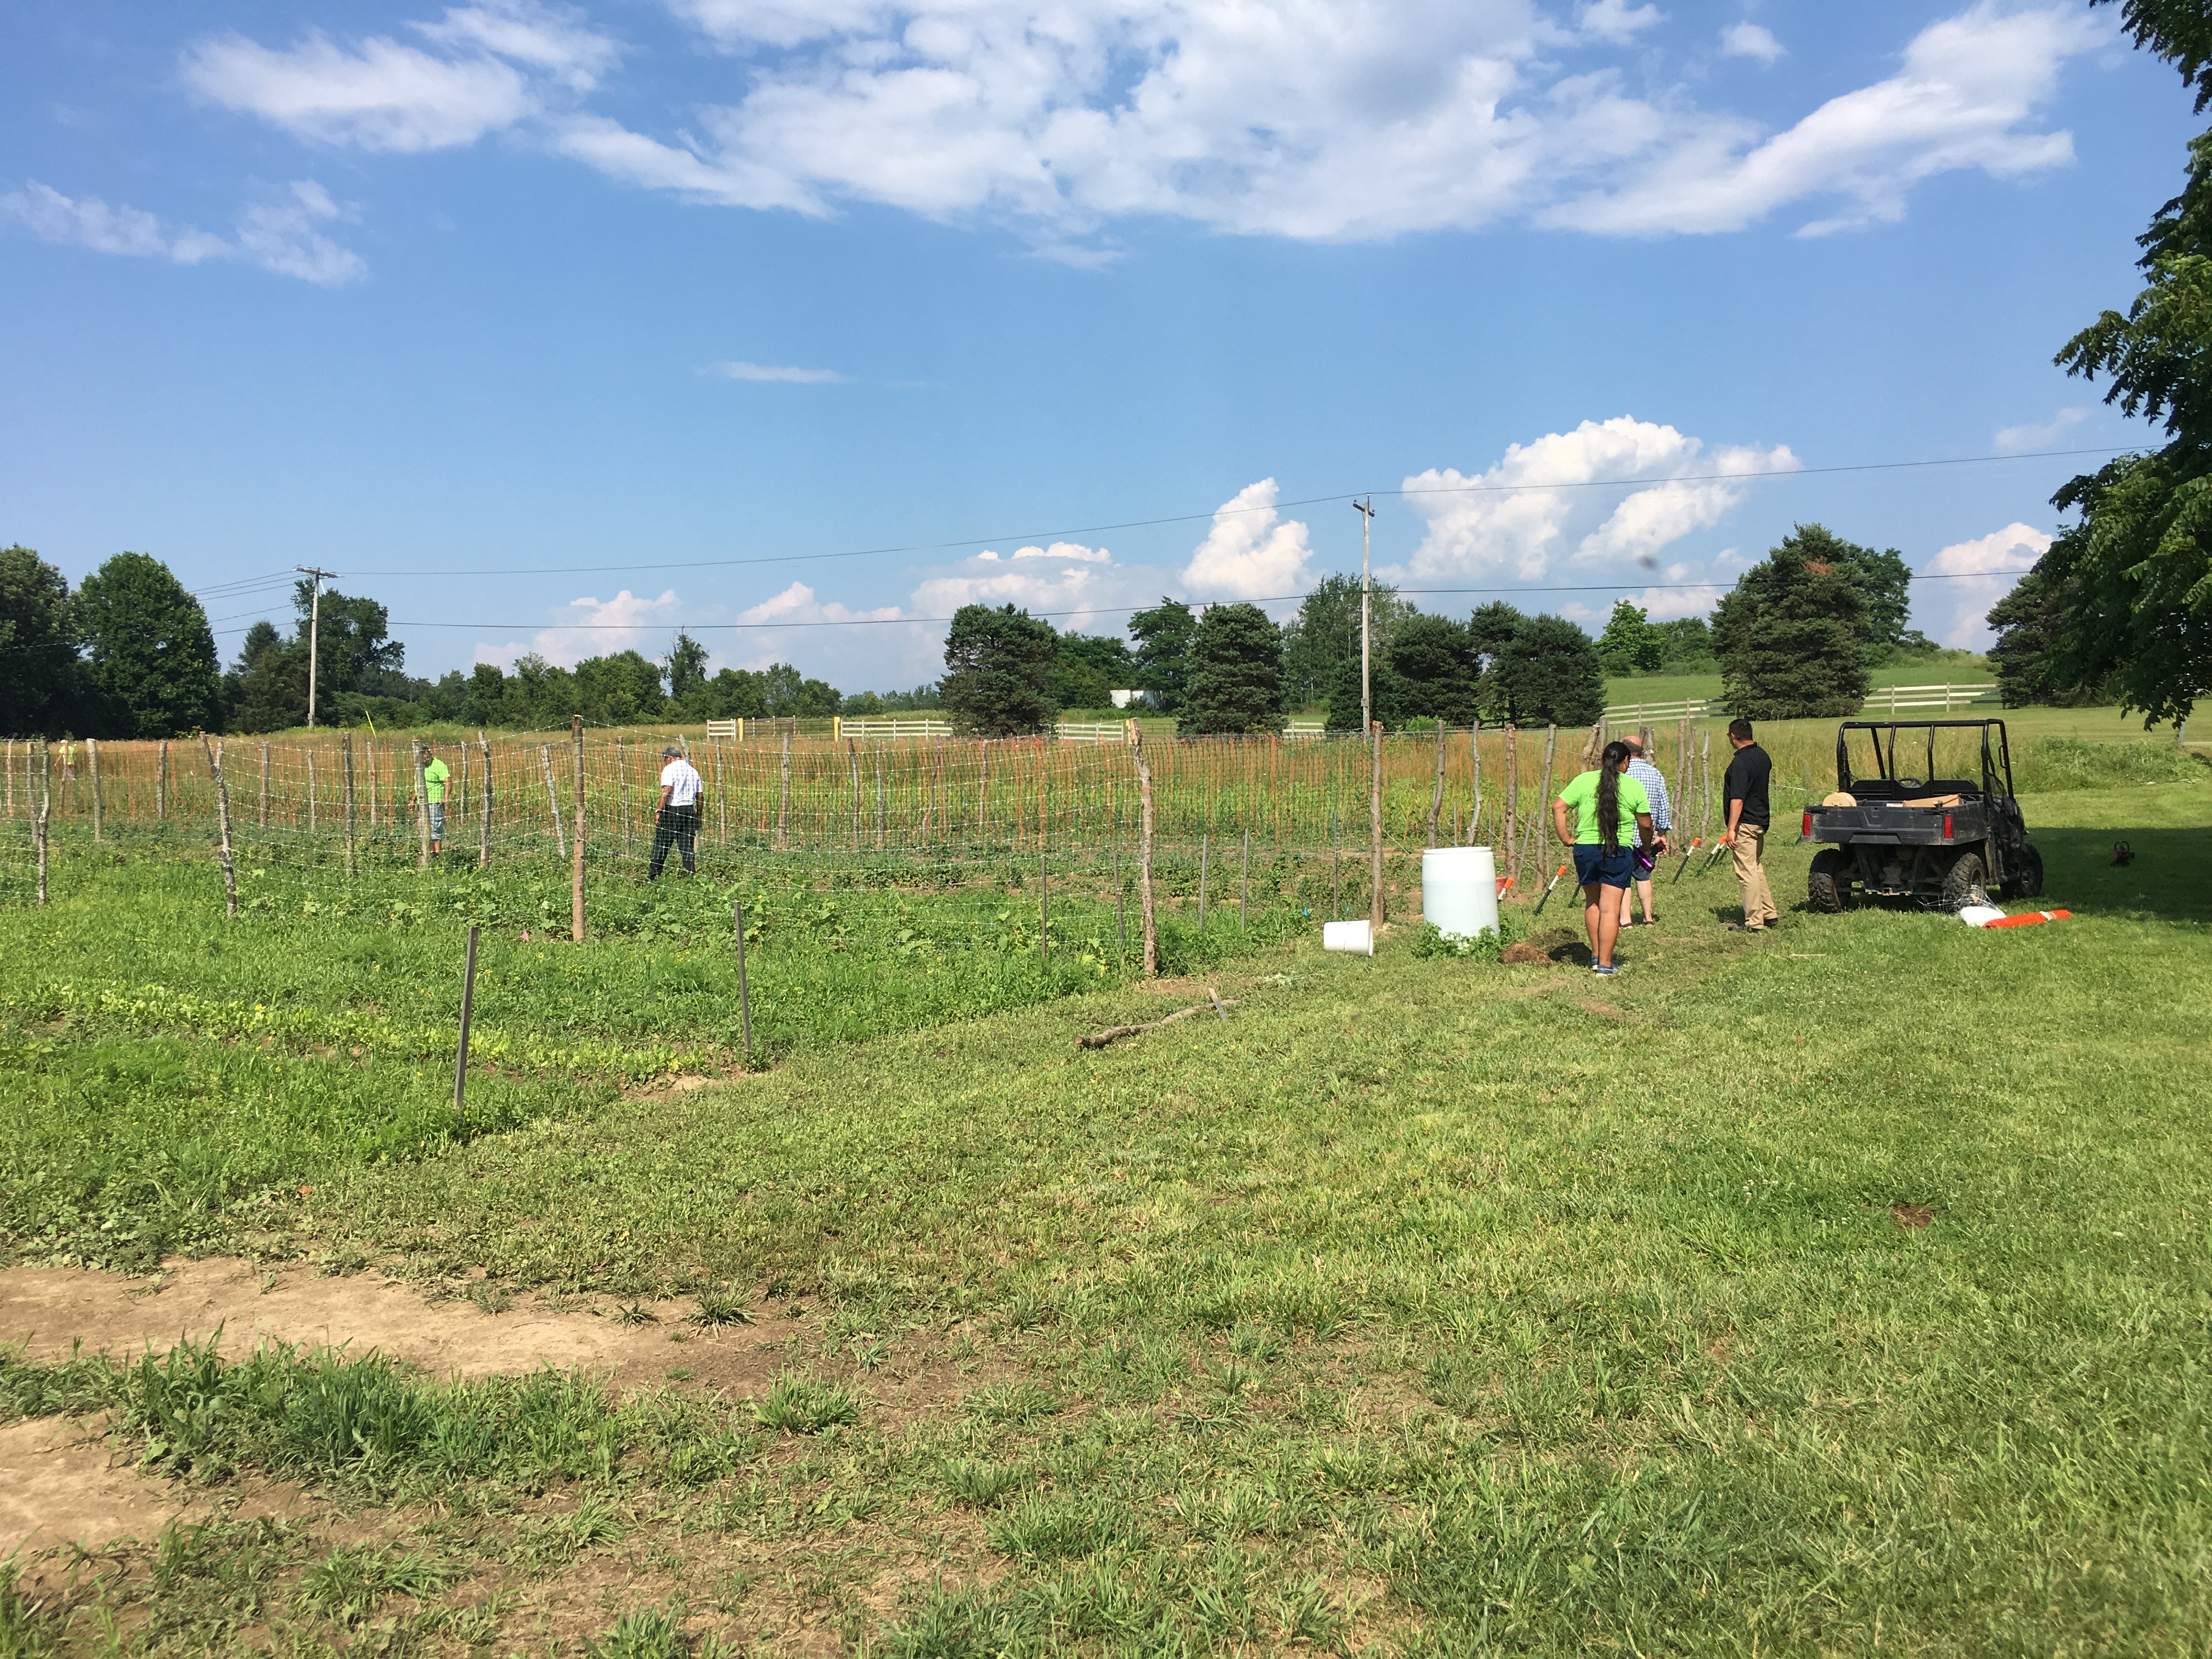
[(1525, 951)]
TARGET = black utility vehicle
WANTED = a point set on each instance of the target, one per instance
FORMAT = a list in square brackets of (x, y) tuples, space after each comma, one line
[(1942, 842)]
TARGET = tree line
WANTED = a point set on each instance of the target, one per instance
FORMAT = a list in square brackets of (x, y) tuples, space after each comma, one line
[(2120, 607)]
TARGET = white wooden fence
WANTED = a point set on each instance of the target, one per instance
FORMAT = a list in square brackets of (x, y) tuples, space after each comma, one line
[(1887, 700)]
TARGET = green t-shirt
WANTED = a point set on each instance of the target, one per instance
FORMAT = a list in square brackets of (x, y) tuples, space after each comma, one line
[(1581, 795), (433, 780)]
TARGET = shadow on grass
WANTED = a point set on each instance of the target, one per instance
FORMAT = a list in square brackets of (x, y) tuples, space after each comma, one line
[(2170, 879)]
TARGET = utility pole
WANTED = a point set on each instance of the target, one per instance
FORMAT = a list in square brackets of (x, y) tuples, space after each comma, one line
[(1367, 511), (314, 630)]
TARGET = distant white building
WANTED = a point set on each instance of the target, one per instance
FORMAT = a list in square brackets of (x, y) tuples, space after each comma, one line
[(1136, 699)]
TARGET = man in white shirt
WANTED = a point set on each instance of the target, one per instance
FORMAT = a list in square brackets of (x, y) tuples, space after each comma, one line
[(681, 789)]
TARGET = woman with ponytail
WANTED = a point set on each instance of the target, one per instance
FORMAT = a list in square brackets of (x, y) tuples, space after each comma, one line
[(1605, 816)]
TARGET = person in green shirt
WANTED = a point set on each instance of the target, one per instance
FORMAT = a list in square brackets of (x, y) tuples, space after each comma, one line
[(1604, 815), (435, 774)]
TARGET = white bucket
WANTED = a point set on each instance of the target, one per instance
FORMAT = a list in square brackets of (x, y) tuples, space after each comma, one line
[(1459, 890), (1347, 936)]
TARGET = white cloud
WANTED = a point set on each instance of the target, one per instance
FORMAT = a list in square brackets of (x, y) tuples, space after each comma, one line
[(1077, 585), (490, 66), (1252, 552), (769, 374), (1969, 87), (2016, 439), (1349, 122), (1535, 513), (279, 236), (1750, 40), (1616, 21), (599, 628), (1955, 611)]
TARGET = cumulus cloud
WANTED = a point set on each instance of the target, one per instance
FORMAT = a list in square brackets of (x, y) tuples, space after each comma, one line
[(1252, 552), (1536, 511), (1080, 586), (1315, 122), (487, 68), (1750, 40), (597, 627), (1983, 571), (2041, 435), (770, 375), (281, 235), (1963, 100)]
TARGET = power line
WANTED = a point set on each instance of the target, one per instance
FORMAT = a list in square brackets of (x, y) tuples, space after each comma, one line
[(1226, 512), (1122, 610)]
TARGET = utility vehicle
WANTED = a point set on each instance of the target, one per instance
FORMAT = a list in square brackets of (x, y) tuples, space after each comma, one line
[(1942, 842)]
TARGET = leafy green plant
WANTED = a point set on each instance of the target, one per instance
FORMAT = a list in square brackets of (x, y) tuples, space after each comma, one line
[(980, 1484), (724, 1306), (346, 1585), (1431, 942), (796, 1403)]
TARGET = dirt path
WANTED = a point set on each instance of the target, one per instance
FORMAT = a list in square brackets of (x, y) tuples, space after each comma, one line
[(48, 1310)]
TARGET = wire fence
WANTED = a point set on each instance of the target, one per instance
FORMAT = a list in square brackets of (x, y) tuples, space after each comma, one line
[(878, 812)]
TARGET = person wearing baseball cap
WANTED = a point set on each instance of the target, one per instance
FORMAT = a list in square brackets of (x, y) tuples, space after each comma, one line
[(676, 822)]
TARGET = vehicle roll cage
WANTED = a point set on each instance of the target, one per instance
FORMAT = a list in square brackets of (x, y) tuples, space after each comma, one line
[(1887, 761)]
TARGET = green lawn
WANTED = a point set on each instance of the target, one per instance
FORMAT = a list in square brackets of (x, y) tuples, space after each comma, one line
[(1426, 1305)]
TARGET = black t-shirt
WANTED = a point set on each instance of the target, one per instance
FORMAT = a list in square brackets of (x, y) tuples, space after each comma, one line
[(1746, 782)]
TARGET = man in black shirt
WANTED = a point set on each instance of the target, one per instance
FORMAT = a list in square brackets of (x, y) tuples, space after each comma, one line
[(1744, 789)]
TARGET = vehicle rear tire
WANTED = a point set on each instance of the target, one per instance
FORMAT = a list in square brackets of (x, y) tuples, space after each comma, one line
[(1829, 883), (2027, 881), (1962, 881)]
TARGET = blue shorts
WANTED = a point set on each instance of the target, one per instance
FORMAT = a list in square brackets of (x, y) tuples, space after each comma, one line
[(1595, 867), (437, 820)]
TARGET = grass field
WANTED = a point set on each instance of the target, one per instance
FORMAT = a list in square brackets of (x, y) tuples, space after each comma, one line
[(1844, 1290)]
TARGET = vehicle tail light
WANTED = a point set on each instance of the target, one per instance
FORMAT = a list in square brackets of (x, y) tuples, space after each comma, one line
[(1946, 826), (1806, 832)]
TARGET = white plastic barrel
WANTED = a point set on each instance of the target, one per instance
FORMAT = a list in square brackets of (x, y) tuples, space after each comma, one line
[(1347, 936), (1459, 890)]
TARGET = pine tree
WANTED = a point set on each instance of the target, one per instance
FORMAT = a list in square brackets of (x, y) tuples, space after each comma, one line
[(1235, 678), (1163, 654), (1548, 673), (995, 663), (1791, 637), (1433, 672)]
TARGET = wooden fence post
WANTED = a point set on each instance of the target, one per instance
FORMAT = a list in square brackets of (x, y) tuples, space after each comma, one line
[(421, 808), (311, 796), (345, 769), (161, 781), (1475, 761), (1511, 838), (41, 806), (552, 798), (852, 759), (265, 786), (622, 765), (1376, 911), (468, 1008), (1205, 846), (1244, 881), (783, 799), (99, 807), (1436, 795), (744, 999), (1145, 853), (222, 827), (484, 832), (576, 836), (879, 795)]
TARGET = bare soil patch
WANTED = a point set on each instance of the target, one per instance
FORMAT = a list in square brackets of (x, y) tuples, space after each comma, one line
[(1910, 1216), (50, 1310)]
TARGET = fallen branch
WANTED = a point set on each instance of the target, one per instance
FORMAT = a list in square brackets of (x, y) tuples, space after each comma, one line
[(1115, 1033)]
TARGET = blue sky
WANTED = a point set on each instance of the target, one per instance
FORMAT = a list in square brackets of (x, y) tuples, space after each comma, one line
[(521, 316)]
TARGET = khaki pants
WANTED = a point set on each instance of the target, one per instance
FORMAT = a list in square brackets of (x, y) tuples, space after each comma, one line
[(1758, 897)]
